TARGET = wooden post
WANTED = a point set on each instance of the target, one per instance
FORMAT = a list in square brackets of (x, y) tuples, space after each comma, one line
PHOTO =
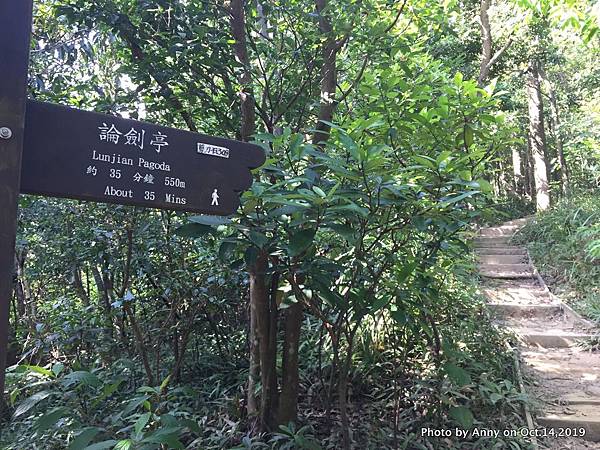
[(15, 35)]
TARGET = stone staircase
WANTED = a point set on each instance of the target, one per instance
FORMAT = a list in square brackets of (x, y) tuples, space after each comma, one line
[(567, 377)]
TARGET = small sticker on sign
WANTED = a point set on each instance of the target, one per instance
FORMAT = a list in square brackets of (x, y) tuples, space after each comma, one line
[(213, 150)]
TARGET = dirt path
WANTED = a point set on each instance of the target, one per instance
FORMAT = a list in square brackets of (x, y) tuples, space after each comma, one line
[(564, 376)]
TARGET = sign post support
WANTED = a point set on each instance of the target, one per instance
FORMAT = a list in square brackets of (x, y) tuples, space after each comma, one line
[(15, 35)]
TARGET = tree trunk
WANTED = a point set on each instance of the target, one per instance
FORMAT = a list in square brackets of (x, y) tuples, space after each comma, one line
[(139, 343), (487, 59), (78, 286), (554, 120), (21, 289), (329, 50), (260, 302), (258, 334), (288, 401), (246, 95), (104, 297), (486, 41), (537, 137), (529, 175), (254, 365), (517, 173)]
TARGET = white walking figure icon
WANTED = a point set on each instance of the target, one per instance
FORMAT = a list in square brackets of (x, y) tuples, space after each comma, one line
[(215, 198)]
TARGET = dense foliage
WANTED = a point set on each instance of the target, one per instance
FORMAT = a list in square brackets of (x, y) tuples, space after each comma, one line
[(565, 245)]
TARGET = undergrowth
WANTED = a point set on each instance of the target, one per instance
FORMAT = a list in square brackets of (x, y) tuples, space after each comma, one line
[(403, 381), (564, 243)]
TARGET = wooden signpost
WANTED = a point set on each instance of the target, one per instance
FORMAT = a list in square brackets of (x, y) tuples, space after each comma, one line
[(90, 156), (52, 150)]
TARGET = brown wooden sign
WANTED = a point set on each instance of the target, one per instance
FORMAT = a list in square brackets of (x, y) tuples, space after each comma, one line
[(102, 158)]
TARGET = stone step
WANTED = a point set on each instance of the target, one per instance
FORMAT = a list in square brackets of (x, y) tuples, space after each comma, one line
[(492, 241), (517, 287), (531, 310), (517, 296), (553, 340), (578, 399), (506, 275), (499, 231), (506, 270), (574, 417), (566, 375), (503, 250), (493, 237), (554, 322), (502, 259), (554, 330)]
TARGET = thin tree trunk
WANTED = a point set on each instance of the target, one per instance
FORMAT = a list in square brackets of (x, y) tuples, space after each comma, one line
[(529, 173), (259, 300), (487, 59), (104, 297), (21, 289), (288, 400), (554, 120), (486, 40), (257, 336), (537, 137), (329, 50), (517, 173), (78, 286), (246, 95), (254, 366), (139, 343)]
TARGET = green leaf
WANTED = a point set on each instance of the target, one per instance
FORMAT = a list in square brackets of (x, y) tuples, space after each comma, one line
[(102, 445), (379, 303), (458, 78), (40, 370), (30, 402), (210, 220), (300, 242), (57, 368), (494, 397), (141, 422), (226, 249), (345, 231), (82, 377), (484, 185), (459, 376), (349, 144), (193, 230), (468, 135), (425, 161), (350, 209), (457, 198), (164, 383), (258, 239), (165, 436), (50, 418), (463, 416), (191, 424), (169, 420), (125, 444), (319, 191), (399, 316), (405, 272), (83, 438), (133, 405)]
